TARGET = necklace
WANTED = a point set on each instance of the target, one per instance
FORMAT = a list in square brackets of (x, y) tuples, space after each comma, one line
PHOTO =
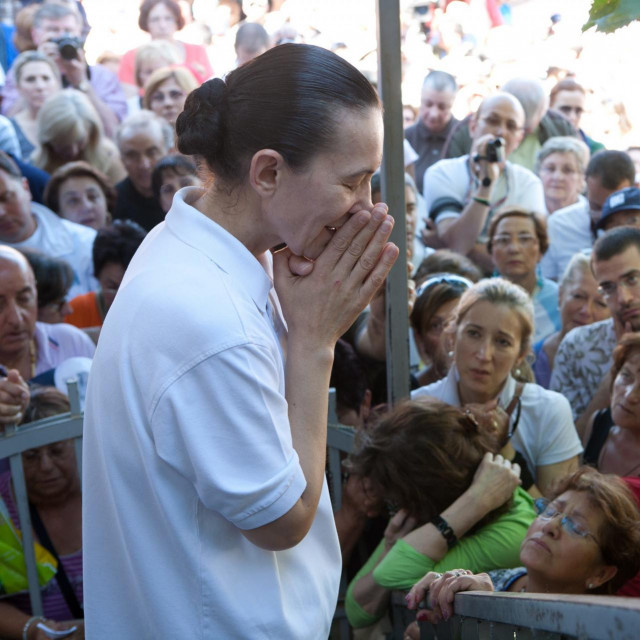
[(32, 357), (622, 475)]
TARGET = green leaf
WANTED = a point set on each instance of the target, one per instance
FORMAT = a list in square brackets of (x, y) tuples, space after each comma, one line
[(609, 15)]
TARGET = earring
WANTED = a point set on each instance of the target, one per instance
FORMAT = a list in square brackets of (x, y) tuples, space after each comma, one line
[(450, 354), (591, 585)]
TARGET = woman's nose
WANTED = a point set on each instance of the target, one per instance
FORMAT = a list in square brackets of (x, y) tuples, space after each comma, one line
[(484, 350)]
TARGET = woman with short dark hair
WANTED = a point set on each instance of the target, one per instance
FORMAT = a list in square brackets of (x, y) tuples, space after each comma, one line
[(81, 193), (54, 277), (517, 240)]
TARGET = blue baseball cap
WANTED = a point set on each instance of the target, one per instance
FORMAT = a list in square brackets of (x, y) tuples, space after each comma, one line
[(627, 199)]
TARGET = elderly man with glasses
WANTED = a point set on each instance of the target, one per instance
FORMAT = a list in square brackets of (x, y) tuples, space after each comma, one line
[(462, 193)]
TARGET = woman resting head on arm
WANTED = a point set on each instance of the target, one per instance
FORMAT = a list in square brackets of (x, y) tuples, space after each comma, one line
[(612, 440), (586, 539), (491, 335), (434, 467)]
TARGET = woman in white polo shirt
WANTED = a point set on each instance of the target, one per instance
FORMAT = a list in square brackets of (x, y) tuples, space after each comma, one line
[(206, 511), (491, 332)]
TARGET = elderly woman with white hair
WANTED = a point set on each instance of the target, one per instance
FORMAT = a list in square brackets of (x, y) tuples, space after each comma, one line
[(560, 164), (580, 304), (69, 129)]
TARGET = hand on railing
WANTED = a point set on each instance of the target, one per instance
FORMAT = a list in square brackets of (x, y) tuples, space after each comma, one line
[(441, 589)]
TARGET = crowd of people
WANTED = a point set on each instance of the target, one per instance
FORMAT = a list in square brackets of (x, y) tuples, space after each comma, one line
[(515, 464)]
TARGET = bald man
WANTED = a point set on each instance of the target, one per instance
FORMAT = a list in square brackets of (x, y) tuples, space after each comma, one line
[(30, 349), (462, 193)]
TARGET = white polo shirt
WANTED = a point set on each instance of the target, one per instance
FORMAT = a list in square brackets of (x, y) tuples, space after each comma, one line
[(545, 433), (187, 441)]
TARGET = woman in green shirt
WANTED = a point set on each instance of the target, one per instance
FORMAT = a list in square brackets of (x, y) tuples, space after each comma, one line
[(458, 504)]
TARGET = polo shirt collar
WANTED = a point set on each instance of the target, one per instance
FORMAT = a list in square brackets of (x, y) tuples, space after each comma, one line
[(452, 397), (206, 236)]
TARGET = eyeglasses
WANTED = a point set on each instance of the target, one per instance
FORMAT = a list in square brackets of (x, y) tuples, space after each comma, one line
[(547, 511), (510, 125), (629, 281), (525, 240), (457, 282)]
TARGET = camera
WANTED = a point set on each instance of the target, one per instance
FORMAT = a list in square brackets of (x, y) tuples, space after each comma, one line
[(68, 46), (495, 150)]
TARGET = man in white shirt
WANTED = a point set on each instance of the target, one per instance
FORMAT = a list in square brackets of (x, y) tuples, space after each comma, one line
[(26, 224), (573, 228), (462, 193)]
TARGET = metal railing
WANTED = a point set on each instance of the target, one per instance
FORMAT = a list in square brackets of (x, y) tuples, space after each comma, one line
[(537, 616), (13, 442)]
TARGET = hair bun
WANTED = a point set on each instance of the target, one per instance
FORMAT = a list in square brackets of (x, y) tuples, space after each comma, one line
[(213, 90), (199, 126)]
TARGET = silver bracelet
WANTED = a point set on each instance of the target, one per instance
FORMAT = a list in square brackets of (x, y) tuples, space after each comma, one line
[(30, 621)]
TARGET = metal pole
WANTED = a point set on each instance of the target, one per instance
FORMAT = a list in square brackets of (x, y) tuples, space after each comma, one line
[(389, 81)]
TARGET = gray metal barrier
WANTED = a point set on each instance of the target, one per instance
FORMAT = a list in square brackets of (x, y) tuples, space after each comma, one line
[(529, 616)]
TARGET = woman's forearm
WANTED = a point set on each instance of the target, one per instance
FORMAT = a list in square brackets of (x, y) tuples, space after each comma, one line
[(461, 516)]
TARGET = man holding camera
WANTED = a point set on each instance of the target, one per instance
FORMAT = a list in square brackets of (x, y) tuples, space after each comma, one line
[(463, 193), (57, 33)]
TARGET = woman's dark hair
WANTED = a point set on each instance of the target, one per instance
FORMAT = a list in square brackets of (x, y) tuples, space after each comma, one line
[(432, 297), (287, 100), (619, 535), (148, 5), (54, 276), (422, 457), (173, 163), (117, 243), (447, 261), (45, 402), (78, 169), (348, 377), (539, 225)]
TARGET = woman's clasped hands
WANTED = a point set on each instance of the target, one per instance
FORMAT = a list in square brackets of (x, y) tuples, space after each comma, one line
[(322, 299)]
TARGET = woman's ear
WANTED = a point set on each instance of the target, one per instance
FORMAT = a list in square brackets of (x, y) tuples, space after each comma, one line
[(265, 172), (602, 575)]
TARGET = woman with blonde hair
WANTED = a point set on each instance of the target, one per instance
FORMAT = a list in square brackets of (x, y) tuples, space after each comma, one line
[(37, 78), (70, 129), (166, 90), (491, 335)]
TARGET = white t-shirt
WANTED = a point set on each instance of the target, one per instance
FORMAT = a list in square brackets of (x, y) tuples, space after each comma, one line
[(545, 433), (451, 179), (569, 231), (64, 239), (187, 441)]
